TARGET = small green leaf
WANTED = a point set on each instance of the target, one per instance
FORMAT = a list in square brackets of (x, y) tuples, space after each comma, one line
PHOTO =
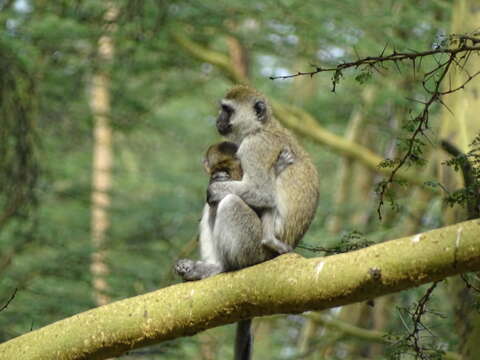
[(363, 77)]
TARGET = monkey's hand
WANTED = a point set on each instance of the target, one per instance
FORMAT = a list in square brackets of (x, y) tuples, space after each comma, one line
[(216, 192), (253, 194)]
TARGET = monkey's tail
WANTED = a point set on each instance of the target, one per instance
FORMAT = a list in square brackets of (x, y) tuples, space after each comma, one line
[(243, 340)]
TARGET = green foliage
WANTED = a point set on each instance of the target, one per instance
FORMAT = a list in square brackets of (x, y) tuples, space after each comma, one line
[(364, 76), (468, 165)]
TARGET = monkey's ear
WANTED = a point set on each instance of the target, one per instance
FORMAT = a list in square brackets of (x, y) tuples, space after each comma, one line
[(260, 109), (205, 166)]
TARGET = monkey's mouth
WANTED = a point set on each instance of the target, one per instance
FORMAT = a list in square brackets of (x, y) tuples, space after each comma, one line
[(224, 127)]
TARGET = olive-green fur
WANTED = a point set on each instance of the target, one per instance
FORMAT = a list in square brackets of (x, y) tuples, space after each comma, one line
[(243, 93), (296, 187)]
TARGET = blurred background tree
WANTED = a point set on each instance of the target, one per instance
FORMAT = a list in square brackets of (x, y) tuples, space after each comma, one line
[(160, 86)]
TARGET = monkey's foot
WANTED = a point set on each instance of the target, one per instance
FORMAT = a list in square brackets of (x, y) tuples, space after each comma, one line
[(285, 159), (185, 269), (195, 270), (277, 246), (287, 156)]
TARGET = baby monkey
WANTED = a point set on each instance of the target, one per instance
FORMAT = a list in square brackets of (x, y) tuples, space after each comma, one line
[(221, 164)]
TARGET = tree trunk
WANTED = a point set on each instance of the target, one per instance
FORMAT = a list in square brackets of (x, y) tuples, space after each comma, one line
[(346, 169), (102, 160)]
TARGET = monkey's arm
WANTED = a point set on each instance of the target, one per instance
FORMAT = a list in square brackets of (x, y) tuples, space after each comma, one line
[(258, 156), (256, 195)]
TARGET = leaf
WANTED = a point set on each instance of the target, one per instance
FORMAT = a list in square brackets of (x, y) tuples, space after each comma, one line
[(363, 77)]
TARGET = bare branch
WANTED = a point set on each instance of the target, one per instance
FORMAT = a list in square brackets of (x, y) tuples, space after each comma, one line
[(460, 47), (376, 336), (374, 60), (420, 309), (468, 284), (9, 300)]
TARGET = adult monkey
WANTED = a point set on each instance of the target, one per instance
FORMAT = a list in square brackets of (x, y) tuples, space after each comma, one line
[(246, 119)]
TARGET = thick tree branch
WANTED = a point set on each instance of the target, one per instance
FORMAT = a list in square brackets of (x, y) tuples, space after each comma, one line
[(349, 329), (9, 300), (212, 57), (288, 284)]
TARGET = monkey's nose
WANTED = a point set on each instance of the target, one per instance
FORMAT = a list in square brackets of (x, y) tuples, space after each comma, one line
[(224, 127)]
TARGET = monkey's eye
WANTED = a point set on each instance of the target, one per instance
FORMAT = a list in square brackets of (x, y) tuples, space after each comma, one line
[(260, 108), (228, 109)]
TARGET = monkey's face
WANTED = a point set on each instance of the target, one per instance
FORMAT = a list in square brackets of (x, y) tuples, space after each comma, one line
[(238, 119), (223, 152), (224, 124)]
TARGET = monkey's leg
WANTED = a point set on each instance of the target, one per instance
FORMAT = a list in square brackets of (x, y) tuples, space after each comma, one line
[(207, 246), (257, 194), (209, 265), (269, 240), (237, 234), (196, 270)]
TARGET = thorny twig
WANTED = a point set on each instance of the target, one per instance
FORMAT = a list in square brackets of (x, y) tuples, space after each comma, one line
[(418, 326), (349, 242), (422, 120), (468, 284), (459, 47), (394, 57), (329, 251), (413, 337), (9, 300)]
